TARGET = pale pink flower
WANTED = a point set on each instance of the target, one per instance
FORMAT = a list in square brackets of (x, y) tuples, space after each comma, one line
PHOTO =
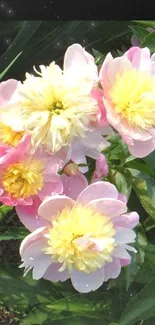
[(129, 98), (101, 169), (56, 105), (27, 178), (87, 238)]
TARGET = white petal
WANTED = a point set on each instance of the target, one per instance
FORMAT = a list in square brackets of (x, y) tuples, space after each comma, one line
[(86, 282), (113, 269), (124, 235), (121, 252)]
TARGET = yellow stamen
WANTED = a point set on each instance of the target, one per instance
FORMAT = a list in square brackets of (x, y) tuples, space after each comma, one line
[(23, 179), (70, 240), (133, 96), (8, 136)]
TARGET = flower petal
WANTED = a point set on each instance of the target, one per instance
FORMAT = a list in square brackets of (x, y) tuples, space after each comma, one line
[(51, 188), (32, 238), (29, 216), (124, 235), (113, 269), (33, 257), (73, 185), (7, 89), (142, 149), (128, 220), (121, 252), (86, 282), (97, 190), (54, 205), (52, 273), (108, 207)]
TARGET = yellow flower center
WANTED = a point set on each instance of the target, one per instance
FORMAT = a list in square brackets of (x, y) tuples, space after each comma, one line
[(23, 179), (8, 136), (133, 96), (81, 238)]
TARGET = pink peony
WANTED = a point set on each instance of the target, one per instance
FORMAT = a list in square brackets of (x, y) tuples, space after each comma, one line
[(27, 178), (129, 98), (87, 238), (101, 168)]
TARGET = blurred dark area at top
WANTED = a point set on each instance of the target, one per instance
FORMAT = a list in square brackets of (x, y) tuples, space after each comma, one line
[(42, 42)]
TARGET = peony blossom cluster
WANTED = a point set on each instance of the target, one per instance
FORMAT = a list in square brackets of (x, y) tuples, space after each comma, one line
[(51, 125)]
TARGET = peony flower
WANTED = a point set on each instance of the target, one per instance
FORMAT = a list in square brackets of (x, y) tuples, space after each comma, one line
[(87, 238), (8, 137), (129, 98), (57, 105), (26, 179), (101, 169)]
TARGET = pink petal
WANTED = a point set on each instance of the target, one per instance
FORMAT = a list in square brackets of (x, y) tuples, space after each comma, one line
[(124, 235), (97, 93), (134, 132), (34, 257), (51, 188), (86, 282), (35, 236), (53, 205), (97, 190), (124, 262), (142, 149), (52, 274), (112, 270), (103, 73), (7, 89), (101, 168), (29, 216), (108, 207), (117, 65), (122, 197), (140, 58), (73, 185), (129, 220)]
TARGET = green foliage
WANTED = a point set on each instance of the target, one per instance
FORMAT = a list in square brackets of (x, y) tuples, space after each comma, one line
[(141, 307)]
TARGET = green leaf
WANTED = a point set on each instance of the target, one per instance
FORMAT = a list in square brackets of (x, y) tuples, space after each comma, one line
[(14, 233), (137, 258), (144, 186), (2, 74), (121, 182), (99, 57), (141, 307), (150, 161), (26, 32), (4, 209), (16, 290), (139, 32), (149, 42)]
